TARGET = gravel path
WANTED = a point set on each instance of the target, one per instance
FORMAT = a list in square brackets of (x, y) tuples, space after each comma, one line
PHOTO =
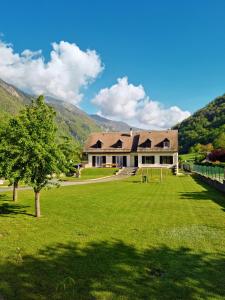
[(68, 183)]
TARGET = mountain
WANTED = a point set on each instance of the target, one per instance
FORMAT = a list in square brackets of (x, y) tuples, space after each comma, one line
[(12, 100), (204, 126), (70, 119), (109, 125)]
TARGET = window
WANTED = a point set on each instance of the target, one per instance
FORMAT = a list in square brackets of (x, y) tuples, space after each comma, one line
[(98, 161), (166, 143), (166, 160), (120, 161), (148, 160), (119, 144), (98, 144), (146, 144)]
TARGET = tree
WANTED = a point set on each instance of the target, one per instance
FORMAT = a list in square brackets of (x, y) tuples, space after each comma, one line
[(72, 152), (219, 142), (43, 155), (12, 153), (217, 155)]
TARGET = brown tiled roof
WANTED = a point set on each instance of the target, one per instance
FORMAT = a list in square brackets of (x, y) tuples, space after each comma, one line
[(157, 138), (132, 143)]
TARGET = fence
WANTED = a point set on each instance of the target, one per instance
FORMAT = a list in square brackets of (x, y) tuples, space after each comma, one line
[(213, 172)]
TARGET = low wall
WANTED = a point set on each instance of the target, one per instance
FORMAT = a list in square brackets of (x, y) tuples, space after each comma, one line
[(216, 184)]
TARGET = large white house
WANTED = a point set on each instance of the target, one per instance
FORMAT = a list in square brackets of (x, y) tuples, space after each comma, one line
[(133, 149)]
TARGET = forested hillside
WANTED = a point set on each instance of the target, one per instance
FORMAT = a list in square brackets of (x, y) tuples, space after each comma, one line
[(205, 126)]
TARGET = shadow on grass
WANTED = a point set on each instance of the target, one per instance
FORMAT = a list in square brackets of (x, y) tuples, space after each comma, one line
[(104, 270), (10, 208), (210, 193)]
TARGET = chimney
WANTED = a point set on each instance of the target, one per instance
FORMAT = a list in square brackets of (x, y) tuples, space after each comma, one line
[(131, 131)]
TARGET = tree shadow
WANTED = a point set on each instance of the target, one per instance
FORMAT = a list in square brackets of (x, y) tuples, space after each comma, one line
[(5, 197), (8, 208), (210, 193), (115, 270)]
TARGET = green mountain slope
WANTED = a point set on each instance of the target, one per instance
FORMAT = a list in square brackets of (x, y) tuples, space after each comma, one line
[(70, 119), (11, 100), (73, 121), (204, 126)]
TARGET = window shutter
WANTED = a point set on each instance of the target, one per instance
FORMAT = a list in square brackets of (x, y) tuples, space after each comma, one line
[(113, 159), (124, 161), (93, 161)]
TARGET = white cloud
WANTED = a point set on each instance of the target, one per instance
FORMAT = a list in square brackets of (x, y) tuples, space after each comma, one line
[(155, 116), (68, 71), (119, 100), (126, 102)]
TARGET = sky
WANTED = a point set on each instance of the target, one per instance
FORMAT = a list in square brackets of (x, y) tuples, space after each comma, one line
[(149, 63)]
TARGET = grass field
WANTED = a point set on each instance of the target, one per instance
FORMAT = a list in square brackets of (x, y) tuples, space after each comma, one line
[(115, 240), (190, 157), (92, 173)]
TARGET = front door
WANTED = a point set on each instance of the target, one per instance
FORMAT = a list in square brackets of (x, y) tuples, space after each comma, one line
[(119, 161), (98, 161)]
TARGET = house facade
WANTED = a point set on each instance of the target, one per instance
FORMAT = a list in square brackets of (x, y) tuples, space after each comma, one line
[(132, 149)]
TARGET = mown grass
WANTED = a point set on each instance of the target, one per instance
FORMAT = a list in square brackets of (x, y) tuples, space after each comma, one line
[(189, 157), (115, 240), (91, 173)]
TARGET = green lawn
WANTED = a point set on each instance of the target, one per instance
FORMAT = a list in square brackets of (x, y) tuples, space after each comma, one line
[(92, 173), (189, 156), (115, 240)]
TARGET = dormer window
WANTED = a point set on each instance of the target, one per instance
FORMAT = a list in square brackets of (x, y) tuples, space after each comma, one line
[(98, 144), (146, 144), (166, 143), (118, 144)]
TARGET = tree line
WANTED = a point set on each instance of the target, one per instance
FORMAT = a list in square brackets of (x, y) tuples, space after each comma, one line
[(31, 152)]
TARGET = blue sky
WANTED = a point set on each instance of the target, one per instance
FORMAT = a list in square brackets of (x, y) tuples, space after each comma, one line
[(174, 49)]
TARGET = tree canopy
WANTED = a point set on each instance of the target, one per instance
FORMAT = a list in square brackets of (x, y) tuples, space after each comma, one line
[(205, 126), (29, 149)]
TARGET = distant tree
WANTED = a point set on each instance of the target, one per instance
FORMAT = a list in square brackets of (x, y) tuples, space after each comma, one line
[(13, 157), (219, 142), (72, 152), (203, 149)]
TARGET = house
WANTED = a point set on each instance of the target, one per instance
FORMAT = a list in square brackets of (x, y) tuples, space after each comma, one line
[(132, 149)]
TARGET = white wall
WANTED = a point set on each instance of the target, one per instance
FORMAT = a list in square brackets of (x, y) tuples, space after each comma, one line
[(157, 159), (130, 159)]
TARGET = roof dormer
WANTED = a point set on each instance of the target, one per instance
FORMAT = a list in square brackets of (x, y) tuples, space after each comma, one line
[(118, 144), (166, 143), (98, 144), (146, 144)]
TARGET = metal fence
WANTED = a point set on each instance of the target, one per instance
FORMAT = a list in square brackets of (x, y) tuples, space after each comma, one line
[(214, 172)]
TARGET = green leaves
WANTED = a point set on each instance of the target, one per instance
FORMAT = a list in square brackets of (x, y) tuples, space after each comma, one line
[(28, 147)]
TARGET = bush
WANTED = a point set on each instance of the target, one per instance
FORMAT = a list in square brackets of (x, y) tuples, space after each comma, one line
[(217, 155)]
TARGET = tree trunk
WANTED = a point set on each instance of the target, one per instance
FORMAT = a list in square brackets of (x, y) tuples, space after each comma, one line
[(37, 205), (15, 187)]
